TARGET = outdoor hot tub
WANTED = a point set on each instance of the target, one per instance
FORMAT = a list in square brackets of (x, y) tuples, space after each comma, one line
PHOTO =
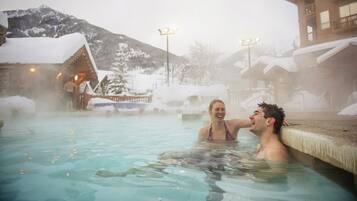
[(57, 157)]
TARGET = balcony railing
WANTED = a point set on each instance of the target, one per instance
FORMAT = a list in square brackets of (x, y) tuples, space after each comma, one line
[(310, 9), (346, 22)]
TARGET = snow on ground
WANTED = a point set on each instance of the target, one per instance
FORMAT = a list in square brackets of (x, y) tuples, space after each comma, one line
[(173, 98), (306, 101), (139, 82), (16, 105), (95, 101), (350, 110)]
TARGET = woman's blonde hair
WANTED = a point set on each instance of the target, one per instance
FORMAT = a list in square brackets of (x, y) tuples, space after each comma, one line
[(213, 102)]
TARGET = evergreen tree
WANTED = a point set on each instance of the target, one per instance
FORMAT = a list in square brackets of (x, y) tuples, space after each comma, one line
[(118, 83)]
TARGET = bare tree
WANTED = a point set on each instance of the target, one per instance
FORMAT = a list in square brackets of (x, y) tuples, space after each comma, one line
[(202, 63)]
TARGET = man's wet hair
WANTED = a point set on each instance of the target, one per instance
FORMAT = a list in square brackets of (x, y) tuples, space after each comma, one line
[(272, 110)]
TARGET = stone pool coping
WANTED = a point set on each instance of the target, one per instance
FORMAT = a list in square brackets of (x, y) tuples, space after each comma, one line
[(330, 138), (323, 135)]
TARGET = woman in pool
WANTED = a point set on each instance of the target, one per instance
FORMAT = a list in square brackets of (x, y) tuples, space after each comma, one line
[(220, 129)]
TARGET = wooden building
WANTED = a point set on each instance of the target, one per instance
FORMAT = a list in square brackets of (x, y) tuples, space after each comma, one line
[(39, 67), (274, 74), (326, 20), (327, 57)]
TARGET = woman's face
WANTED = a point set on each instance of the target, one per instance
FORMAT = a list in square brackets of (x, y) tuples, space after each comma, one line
[(218, 111)]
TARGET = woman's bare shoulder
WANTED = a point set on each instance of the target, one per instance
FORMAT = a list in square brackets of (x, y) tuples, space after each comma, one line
[(203, 132)]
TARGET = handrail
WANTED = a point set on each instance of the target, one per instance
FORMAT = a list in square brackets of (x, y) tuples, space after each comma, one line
[(346, 22)]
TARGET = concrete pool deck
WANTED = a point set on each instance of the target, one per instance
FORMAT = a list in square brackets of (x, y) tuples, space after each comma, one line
[(326, 136)]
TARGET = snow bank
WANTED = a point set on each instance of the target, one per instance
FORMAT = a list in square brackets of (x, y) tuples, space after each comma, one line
[(16, 105), (140, 82), (182, 92), (306, 101), (172, 98), (350, 110)]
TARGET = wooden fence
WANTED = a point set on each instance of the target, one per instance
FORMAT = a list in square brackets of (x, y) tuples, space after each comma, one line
[(84, 99)]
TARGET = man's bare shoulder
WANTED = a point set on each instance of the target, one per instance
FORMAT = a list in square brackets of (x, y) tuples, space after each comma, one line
[(277, 153)]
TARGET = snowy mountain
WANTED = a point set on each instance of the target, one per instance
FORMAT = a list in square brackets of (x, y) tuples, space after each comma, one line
[(44, 21)]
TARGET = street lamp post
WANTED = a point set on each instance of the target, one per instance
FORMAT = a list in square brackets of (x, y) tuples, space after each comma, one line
[(166, 32), (249, 43)]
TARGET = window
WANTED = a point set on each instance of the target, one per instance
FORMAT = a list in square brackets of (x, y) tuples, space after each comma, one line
[(325, 19), (348, 10), (310, 33)]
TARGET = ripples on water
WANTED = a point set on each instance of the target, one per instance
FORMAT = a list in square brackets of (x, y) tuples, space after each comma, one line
[(144, 157)]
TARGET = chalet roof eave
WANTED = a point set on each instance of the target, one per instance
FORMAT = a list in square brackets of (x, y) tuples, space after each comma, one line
[(335, 51), (292, 1)]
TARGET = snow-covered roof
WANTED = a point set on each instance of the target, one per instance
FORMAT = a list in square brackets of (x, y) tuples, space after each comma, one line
[(43, 50), (3, 19), (350, 110), (286, 63), (256, 67), (323, 46), (102, 73), (264, 64), (343, 45), (264, 60)]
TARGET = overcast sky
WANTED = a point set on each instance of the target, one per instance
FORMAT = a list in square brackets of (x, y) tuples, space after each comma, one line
[(221, 24)]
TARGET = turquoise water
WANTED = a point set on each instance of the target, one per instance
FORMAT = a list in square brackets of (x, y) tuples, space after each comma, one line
[(57, 158)]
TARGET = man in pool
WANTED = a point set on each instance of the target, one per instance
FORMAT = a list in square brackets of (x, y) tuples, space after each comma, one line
[(266, 123)]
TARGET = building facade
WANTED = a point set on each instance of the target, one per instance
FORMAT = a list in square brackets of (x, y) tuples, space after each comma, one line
[(326, 20)]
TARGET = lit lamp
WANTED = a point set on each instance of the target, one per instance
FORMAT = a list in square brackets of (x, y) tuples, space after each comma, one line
[(166, 32), (249, 43), (76, 77), (32, 70)]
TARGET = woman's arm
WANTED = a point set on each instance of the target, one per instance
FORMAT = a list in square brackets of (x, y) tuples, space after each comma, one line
[(241, 123)]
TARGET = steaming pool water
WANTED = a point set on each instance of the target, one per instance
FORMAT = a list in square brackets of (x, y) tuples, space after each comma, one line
[(57, 158)]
